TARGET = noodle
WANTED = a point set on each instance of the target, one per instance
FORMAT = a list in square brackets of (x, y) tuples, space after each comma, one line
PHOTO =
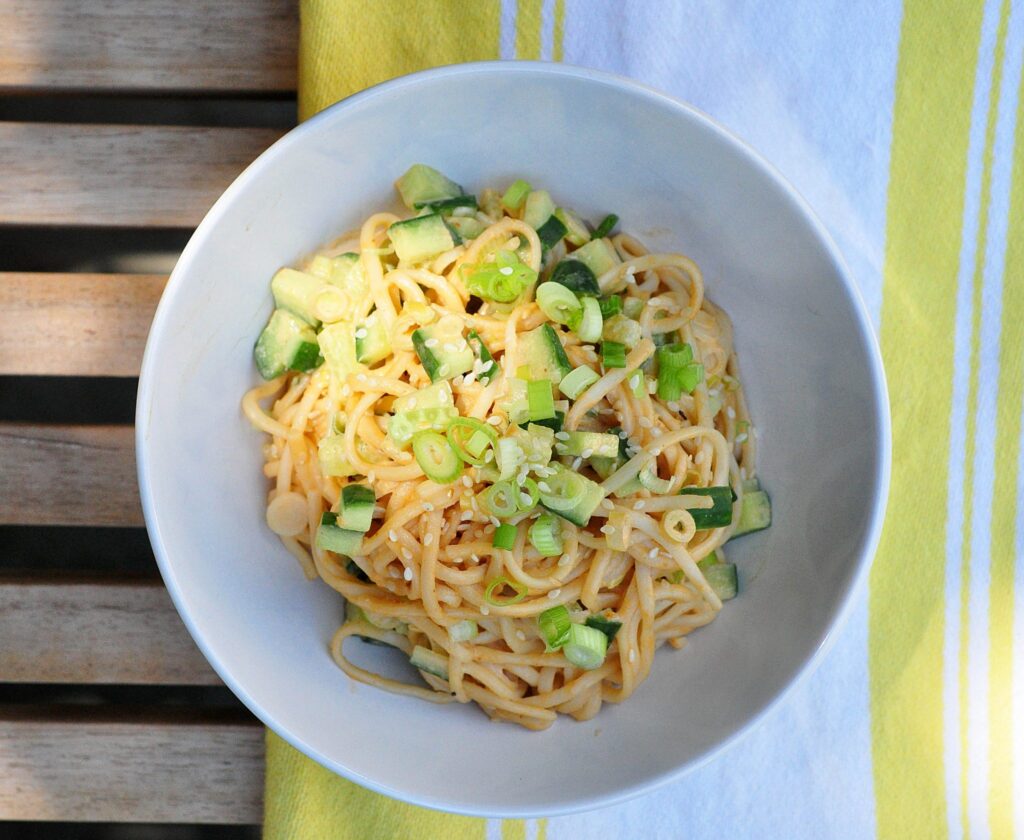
[(428, 562)]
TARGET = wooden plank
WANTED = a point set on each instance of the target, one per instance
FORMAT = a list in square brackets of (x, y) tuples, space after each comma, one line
[(75, 324), (188, 45), (112, 175), (96, 632), (68, 475), (64, 768)]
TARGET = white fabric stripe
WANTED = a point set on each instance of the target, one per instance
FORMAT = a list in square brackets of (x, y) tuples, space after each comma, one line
[(958, 422), (531, 830), (547, 30), (493, 829), (508, 29), (978, 778)]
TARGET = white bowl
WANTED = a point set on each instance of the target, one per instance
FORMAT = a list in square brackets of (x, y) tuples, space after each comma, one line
[(600, 144)]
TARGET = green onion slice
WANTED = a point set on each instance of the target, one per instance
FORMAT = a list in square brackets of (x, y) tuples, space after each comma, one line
[(436, 458), (546, 535), (504, 537), (611, 305), (677, 372), (559, 304), (501, 281), (566, 488), (586, 647), (470, 437), (577, 381), (529, 495), (649, 479), (590, 325), (501, 499), (516, 194), (509, 457), (539, 399), (613, 354), (496, 585), (554, 625), (606, 226)]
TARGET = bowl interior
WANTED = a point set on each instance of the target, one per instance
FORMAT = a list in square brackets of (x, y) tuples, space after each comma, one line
[(599, 145)]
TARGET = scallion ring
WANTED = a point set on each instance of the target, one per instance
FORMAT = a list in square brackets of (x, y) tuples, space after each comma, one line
[(497, 585), (559, 304), (470, 437), (439, 462)]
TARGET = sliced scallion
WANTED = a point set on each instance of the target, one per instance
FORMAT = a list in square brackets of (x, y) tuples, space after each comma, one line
[(613, 354), (439, 462), (490, 366), (554, 626), (509, 456), (610, 306), (606, 226), (501, 281), (516, 194), (540, 400), (504, 537), (677, 372), (546, 535), (492, 593), (586, 647), (559, 304), (501, 499), (589, 328), (470, 437), (577, 381)]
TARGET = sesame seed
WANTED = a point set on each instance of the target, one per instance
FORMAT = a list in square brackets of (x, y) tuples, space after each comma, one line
[(562, 435), (655, 431), (449, 347), (393, 535), (506, 270), (525, 499), (431, 342), (652, 554), (467, 481), (444, 370), (576, 463), (699, 457), (407, 574), (632, 656), (554, 593), (495, 420), (495, 521), (607, 529), (428, 539), (564, 560), (484, 609), (544, 487), (520, 635), (361, 333), (655, 452), (638, 505), (407, 554), (645, 422), (607, 504), (361, 377), (652, 387), (428, 506), (466, 515), (458, 381), (622, 434), (674, 406), (489, 456), (474, 558), (587, 453), (740, 438)]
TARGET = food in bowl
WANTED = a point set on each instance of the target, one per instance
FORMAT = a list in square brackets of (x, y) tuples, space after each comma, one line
[(514, 442)]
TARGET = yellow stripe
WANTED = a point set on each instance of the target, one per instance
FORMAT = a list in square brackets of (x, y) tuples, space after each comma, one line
[(348, 45), (528, 23), (931, 128), (1004, 506), (970, 434), (542, 829), (304, 799), (556, 50), (513, 830)]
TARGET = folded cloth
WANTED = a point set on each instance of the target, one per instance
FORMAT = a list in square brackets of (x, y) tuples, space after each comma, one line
[(904, 128)]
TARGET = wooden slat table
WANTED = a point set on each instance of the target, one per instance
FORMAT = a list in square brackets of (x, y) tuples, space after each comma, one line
[(69, 629)]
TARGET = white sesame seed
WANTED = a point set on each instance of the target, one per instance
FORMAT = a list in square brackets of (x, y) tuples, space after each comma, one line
[(652, 387), (632, 656), (655, 431), (674, 406), (458, 381), (407, 554), (652, 554), (407, 574), (393, 535), (506, 270), (564, 560), (562, 435), (431, 342), (730, 412), (622, 435), (544, 487), (607, 529), (520, 635), (361, 377), (474, 558), (466, 515), (371, 477), (638, 505), (444, 370), (495, 420), (576, 463), (484, 609), (554, 593), (655, 452), (607, 504), (495, 522), (645, 422), (587, 453), (361, 333), (740, 438), (489, 456), (428, 506), (525, 499), (467, 481), (449, 347), (699, 457), (428, 539)]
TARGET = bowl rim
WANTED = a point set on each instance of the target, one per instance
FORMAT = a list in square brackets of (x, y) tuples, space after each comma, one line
[(882, 466)]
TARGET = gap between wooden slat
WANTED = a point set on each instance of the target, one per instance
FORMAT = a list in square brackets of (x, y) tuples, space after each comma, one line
[(75, 324), (96, 632), (67, 765), (130, 176), (188, 45), (68, 475)]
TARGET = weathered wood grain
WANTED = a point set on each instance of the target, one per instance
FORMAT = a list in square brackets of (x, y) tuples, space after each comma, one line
[(68, 475), (114, 175), (73, 767), (75, 324), (96, 632), (127, 45)]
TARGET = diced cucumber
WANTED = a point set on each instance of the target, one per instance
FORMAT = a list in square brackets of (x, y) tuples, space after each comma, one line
[(723, 579), (490, 367), (296, 291), (448, 205), (623, 330), (421, 238), (348, 275), (433, 396), (542, 351), (467, 227), (338, 346), (372, 340), (551, 232), (427, 660), (604, 467), (553, 423), (330, 536), (572, 496), (286, 343), (598, 255), (539, 208), (755, 513), (608, 626), (516, 404), (633, 307), (751, 485), (719, 514), (422, 183), (357, 504), (576, 276), (576, 229), (332, 458), (442, 353), (589, 445)]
